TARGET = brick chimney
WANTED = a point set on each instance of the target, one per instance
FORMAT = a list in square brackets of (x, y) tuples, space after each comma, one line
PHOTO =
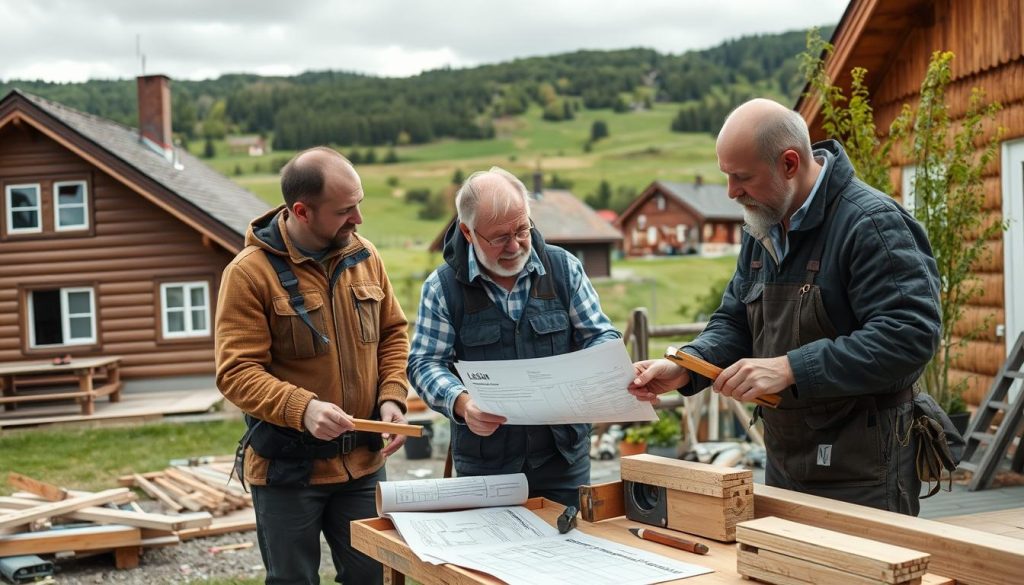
[(155, 113)]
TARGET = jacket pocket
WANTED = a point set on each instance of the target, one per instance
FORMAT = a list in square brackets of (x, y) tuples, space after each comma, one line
[(551, 331), (291, 337), (367, 299)]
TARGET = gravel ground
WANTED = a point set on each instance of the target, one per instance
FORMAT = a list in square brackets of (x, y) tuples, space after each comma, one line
[(192, 561)]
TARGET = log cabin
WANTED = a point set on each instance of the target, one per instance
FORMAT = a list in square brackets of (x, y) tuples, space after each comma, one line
[(112, 239), (681, 218), (894, 40)]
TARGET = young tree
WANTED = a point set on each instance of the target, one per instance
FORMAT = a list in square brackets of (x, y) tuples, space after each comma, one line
[(853, 124), (948, 197), (598, 130)]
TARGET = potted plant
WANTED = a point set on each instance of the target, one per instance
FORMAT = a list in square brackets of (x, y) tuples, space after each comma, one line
[(634, 441), (665, 433)]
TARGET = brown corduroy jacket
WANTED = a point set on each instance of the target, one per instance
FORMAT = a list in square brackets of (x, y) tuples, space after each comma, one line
[(269, 363)]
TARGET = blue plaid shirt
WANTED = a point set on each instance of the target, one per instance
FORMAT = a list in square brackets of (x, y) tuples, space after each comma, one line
[(433, 342)]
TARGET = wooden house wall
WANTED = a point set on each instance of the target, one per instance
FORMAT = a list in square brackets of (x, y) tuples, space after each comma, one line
[(133, 248), (987, 41), (597, 261)]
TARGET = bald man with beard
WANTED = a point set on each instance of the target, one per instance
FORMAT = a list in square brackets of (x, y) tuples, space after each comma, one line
[(833, 306), (503, 293)]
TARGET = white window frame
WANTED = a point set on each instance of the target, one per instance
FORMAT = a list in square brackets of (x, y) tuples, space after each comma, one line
[(38, 209), (65, 319), (187, 287), (57, 206), (660, 201)]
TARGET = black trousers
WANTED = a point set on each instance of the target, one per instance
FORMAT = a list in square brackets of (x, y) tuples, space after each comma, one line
[(289, 521)]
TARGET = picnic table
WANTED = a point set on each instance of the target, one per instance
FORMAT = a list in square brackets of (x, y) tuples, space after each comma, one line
[(84, 369)]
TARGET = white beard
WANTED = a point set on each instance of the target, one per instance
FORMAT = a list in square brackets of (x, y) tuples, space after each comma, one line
[(521, 258)]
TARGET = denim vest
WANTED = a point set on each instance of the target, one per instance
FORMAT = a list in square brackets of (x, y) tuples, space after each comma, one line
[(484, 332)]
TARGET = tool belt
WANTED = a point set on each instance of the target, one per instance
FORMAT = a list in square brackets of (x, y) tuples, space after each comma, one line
[(939, 444), (291, 453)]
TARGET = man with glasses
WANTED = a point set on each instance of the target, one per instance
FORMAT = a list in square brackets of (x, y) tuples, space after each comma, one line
[(503, 294)]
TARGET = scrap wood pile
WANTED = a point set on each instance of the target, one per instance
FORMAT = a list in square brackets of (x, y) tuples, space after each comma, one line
[(779, 551), (194, 501)]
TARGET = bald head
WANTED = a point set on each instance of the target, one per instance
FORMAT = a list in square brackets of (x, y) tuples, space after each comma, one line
[(768, 127), (305, 175), (489, 195)]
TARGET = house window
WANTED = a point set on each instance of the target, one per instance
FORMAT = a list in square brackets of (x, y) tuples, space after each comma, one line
[(61, 316), (660, 200), (681, 233), (70, 205), (185, 309), (23, 209)]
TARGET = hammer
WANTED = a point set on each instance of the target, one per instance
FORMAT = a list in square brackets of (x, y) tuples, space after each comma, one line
[(709, 370)]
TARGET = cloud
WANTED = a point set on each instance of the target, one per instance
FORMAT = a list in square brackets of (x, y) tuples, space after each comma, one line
[(66, 40)]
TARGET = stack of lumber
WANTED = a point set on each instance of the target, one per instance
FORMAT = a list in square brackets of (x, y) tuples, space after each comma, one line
[(202, 485), (706, 500), (43, 518), (779, 551), (199, 488)]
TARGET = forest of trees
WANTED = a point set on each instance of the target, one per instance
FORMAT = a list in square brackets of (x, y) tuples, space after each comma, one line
[(349, 109)]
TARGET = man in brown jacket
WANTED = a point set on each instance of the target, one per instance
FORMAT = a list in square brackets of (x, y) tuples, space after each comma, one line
[(308, 336)]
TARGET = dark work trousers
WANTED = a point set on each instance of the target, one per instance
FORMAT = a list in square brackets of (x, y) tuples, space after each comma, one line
[(289, 521), (558, 481)]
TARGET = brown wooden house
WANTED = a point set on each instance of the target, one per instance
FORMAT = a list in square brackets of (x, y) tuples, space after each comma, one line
[(681, 218), (112, 240), (569, 223), (894, 40)]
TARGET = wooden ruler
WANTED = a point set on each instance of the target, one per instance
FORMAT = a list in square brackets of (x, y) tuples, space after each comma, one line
[(709, 370), (376, 426)]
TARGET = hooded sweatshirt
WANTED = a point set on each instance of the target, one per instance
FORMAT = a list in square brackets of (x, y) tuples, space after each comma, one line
[(271, 365)]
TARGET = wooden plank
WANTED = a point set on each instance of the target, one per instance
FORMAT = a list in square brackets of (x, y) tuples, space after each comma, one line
[(59, 508), (42, 397), (376, 426), (187, 479), (801, 570), (45, 490), (969, 556), (239, 521), (853, 554), (155, 492), (687, 476), (76, 539), (125, 517), (1005, 522)]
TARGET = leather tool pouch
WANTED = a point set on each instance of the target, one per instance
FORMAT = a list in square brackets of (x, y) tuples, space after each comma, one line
[(939, 444)]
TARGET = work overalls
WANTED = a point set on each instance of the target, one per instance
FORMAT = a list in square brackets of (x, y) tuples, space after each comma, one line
[(854, 449)]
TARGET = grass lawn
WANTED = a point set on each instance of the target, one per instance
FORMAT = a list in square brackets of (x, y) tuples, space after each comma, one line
[(93, 458)]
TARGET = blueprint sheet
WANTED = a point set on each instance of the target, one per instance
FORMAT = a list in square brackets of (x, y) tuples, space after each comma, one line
[(586, 386), (518, 547)]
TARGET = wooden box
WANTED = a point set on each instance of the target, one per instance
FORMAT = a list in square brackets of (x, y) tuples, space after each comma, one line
[(706, 500)]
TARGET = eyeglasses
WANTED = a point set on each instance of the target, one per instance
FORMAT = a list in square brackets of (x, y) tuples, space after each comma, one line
[(521, 236)]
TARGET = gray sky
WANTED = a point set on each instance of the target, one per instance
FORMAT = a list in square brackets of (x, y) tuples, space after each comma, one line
[(75, 40)]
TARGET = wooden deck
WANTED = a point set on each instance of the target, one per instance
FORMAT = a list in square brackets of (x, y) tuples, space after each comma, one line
[(133, 405)]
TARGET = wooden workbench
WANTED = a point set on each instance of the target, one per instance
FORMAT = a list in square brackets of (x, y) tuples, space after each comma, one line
[(967, 555), (84, 369)]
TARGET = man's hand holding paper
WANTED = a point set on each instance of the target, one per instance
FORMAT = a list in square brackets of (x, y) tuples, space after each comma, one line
[(586, 386)]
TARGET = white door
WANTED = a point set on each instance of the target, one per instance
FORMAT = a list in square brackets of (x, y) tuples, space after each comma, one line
[(1013, 238)]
